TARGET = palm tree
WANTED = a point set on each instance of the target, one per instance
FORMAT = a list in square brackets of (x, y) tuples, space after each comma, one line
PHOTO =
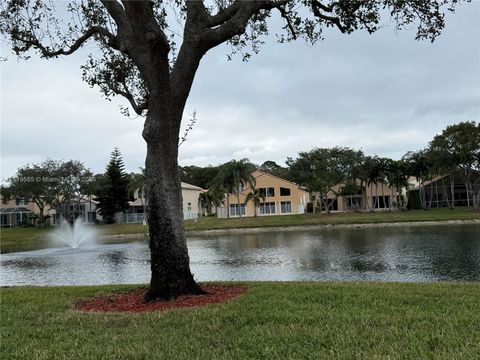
[(137, 182), (397, 176), (382, 173), (232, 177), (204, 203), (420, 167), (217, 195), (213, 197), (373, 173), (256, 196)]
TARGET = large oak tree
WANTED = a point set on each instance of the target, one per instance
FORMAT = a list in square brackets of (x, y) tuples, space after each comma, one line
[(138, 59)]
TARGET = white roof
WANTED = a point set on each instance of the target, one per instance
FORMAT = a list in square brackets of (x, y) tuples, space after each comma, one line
[(190, 187)]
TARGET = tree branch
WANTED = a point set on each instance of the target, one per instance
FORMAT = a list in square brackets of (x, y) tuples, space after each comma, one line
[(284, 15), (236, 18), (117, 12), (224, 14), (137, 107), (31, 40), (317, 5)]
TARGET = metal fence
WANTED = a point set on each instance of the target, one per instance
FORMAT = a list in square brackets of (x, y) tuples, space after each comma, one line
[(121, 218)]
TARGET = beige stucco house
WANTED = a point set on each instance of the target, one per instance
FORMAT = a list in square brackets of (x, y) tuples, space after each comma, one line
[(375, 196), (85, 209), (17, 212), (190, 194), (282, 197)]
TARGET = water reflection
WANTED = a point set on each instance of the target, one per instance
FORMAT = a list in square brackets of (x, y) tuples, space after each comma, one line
[(381, 254)]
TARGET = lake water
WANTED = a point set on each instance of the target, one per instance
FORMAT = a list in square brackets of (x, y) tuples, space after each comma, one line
[(431, 253)]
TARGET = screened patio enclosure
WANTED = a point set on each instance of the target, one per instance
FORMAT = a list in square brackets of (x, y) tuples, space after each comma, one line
[(12, 217)]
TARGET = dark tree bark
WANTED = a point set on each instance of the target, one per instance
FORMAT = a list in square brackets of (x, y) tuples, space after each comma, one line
[(170, 269)]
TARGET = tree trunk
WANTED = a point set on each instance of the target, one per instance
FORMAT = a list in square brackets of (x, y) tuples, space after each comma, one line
[(431, 197), (444, 193), (452, 190), (399, 196), (238, 201), (171, 276), (468, 193), (371, 198), (421, 195), (383, 196), (325, 203), (228, 206), (41, 217)]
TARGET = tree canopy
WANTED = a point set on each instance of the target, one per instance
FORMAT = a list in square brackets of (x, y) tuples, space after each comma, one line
[(125, 31), (113, 196), (320, 169), (54, 184)]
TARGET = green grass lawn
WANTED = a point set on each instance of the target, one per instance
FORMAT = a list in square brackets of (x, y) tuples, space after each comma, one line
[(209, 223), (34, 238), (271, 321)]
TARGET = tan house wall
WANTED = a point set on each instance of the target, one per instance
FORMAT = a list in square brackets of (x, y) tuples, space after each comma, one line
[(190, 194), (190, 202), (30, 205), (298, 196), (371, 191)]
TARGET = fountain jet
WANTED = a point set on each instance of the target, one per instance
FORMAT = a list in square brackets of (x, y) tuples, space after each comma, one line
[(76, 235)]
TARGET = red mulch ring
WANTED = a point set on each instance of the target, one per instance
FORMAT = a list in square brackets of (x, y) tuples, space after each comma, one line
[(133, 301)]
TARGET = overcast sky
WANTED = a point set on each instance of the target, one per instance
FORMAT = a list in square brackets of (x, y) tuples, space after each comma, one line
[(384, 93)]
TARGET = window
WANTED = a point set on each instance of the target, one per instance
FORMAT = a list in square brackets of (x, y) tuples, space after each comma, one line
[(284, 191), (234, 210), (286, 207), (386, 202), (354, 202), (381, 202), (267, 208), (269, 191), (21, 202), (332, 204), (189, 206)]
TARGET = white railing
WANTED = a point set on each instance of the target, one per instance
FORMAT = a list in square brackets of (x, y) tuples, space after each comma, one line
[(121, 218)]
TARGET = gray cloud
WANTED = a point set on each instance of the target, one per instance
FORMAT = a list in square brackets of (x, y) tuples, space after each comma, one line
[(384, 93)]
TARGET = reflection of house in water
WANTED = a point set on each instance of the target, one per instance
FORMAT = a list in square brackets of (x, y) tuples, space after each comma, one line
[(442, 191)]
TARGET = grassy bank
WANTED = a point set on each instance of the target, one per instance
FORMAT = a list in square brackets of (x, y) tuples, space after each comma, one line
[(34, 238), (270, 321), (334, 219)]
